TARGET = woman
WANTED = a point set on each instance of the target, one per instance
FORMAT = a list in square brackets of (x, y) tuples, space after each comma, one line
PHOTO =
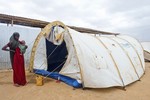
[(17, 59)]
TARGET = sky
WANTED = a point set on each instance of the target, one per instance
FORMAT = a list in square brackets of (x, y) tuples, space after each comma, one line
[(131, 17)]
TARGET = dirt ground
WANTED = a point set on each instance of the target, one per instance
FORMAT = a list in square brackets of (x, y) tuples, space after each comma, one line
[(51, 90)]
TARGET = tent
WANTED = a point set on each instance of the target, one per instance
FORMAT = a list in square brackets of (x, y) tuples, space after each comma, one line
[(86, 60), (146, 46)]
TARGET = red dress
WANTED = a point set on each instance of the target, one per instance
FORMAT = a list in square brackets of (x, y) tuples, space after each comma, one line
[(18, 68)]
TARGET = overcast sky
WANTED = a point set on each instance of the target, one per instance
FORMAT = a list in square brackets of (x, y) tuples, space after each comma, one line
[(122, 16)]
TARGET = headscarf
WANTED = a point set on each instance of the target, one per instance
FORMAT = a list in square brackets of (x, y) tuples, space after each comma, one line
[(14, 43)]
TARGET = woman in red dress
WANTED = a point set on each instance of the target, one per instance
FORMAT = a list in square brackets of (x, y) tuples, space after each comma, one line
[(17, 60)]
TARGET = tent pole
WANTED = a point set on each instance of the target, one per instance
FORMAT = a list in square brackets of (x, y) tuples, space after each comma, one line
[(114, 62), (42, 33), (78, 60), (135, 51), (33, 51), (127, 56)]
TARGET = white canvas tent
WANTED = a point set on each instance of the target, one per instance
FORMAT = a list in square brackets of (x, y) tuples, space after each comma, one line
[(95, 61), (146, 46)]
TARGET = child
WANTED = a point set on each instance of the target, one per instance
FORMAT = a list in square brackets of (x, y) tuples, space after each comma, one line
[(23, 46)]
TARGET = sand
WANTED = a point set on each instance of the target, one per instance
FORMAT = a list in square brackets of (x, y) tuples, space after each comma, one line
[(51, 90)]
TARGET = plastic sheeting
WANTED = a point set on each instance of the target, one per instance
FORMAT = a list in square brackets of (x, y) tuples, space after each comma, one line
[(57, 76)]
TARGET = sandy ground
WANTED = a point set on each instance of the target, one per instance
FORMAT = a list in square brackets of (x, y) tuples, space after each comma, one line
[(52, 90)]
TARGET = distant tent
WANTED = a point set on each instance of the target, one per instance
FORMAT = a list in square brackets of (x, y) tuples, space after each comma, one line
[(85, 60), (146, 47)]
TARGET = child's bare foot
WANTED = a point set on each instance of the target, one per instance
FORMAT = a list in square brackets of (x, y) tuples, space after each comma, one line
[(17, 85)]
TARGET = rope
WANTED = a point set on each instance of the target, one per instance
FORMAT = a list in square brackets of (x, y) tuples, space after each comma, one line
[(54, 70), (44, 62)]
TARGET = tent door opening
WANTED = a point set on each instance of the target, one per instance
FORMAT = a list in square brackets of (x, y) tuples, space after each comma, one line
[(57, 57)]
